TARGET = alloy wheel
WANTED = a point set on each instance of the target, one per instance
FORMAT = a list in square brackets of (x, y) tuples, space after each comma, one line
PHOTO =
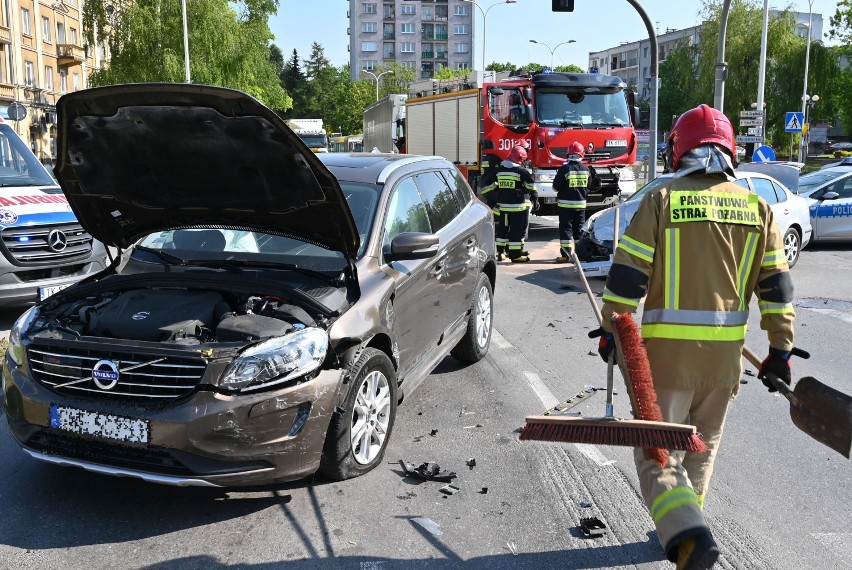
[(370, 417), (483, 316)]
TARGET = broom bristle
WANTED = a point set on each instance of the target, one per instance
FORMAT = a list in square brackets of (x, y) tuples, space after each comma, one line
[(608, 431)]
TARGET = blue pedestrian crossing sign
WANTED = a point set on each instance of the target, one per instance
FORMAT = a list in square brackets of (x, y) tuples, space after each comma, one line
[(763, 154), (793, 122)]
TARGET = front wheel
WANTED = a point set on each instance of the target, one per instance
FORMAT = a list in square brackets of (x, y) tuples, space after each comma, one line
[(474, 344), (357, 436), (792, 246)]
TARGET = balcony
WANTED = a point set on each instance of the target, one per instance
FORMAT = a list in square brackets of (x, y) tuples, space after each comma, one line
[(390, 16), (5, 35), (427, 55), (70, 54), (427, 36), (441, 55), (389, 36), (7, 91), (389, 55), (441, 37)]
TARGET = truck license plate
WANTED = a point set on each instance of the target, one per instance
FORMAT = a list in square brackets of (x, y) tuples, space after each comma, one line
[(45, 292), (617, 142), (107, 426)]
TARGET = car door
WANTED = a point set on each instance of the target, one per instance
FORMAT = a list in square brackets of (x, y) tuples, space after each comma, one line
[(832, 219), (763, 187), (454, 276)]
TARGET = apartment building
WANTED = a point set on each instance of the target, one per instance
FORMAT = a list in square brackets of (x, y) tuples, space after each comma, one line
[(632, 60), (41, 58), (422, 35)]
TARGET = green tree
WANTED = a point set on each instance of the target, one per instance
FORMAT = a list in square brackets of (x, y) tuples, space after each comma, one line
[(571, 68), (293, 80), (229, 43), (677, 85)]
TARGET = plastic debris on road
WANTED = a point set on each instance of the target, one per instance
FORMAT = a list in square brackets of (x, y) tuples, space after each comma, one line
[(429, 525)]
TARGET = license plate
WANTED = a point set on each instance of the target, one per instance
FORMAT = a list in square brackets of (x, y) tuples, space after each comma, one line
[(107, 426), (616, 143), (45, 292), (549, 200)]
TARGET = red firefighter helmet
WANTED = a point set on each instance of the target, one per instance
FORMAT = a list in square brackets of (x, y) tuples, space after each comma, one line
[(702, 125), (518, 154), (576, 148)]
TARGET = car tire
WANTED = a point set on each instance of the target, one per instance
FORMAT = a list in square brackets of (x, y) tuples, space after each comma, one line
[(360, 429), (792, 246), (477, 338)]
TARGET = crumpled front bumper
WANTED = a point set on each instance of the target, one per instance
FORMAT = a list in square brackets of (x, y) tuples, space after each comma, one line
[(207, 439)]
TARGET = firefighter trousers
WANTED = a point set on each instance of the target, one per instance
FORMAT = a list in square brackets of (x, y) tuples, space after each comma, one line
[(570, 222), (513, 229), (675, 493)]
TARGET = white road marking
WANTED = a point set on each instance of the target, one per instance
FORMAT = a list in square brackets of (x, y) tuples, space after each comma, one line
[(593, 453), (832, 313), (500, 340), (543, 392), (840, 544)]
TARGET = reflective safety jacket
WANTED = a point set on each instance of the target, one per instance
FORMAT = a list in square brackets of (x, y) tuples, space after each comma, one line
[(514, 186), (571, 183), (487, 176), (697, 249)]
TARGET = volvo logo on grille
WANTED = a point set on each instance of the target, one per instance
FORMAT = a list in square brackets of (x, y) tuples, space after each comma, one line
[(57, 240), (105, 374), (141, 315)]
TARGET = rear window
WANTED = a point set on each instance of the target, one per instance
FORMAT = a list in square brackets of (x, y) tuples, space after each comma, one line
[(441, 202)]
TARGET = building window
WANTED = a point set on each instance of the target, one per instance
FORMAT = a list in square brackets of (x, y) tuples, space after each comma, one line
[(63, 81), (406, 47), (409, 64), (369, 27), (60, 33), (408, 9), (48, 78), (369, 46), (461, 29), (645, 52), (26, 24), (368, 8), (462, 66), (46, 29), (388, 51), (368, 64), (461, 11), (76, 81), (29, 74), (406, 28), (462, 48)]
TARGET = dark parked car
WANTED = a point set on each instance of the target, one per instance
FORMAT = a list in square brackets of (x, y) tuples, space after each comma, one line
[(268, 311)]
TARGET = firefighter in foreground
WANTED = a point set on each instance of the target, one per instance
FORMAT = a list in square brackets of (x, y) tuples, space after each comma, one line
[(516, 195), (571, 184), (698, 248)]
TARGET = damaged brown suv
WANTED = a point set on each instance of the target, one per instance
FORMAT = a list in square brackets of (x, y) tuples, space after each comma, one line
[(268, 308)]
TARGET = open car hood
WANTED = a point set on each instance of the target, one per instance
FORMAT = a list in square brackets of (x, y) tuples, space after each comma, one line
[(135, 159)]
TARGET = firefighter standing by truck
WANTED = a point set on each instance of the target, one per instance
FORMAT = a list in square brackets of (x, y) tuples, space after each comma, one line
[(488, 191), (571, 183), (698, 248), (515, 191)]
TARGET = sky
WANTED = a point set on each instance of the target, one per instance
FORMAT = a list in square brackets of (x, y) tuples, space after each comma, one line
[(595, 25)]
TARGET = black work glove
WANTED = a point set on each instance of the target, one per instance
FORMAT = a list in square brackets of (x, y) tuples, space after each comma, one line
[(535, 205), (778, 363), (606, 344)]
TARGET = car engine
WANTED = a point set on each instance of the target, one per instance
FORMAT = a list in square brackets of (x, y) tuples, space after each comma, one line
[(180, 316)]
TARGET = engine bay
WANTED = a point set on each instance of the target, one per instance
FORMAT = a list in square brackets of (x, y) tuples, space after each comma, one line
[(178, 315)]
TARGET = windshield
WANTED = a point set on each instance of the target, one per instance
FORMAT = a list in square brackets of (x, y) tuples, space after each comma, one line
[(18, 165), (241, 246), (578, 109), (809, 182), (655, 183), (315, 141), (362, 200)]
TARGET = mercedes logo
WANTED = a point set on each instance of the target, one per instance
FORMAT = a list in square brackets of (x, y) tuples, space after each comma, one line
[(57, 240)]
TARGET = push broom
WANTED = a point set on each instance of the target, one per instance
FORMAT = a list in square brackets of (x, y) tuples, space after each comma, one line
[(647, 431)]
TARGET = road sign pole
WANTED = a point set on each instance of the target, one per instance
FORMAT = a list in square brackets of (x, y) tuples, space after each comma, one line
[(791, 147)]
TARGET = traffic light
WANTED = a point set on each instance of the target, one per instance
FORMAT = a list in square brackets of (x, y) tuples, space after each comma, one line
[(563, 5)]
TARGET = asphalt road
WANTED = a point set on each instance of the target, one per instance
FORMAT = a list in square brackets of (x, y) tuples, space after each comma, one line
[(778, 500)]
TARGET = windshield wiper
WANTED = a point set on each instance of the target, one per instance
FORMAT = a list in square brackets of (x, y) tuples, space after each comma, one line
[(576, 124), (162, 255), (238, 265)]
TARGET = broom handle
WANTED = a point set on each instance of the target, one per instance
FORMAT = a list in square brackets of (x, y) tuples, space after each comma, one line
[(589, 293)]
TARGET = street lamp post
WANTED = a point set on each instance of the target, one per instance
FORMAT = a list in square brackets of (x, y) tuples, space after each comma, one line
[(802, 150), (811, 100), (553, 49), (377, 77), (484, 16)]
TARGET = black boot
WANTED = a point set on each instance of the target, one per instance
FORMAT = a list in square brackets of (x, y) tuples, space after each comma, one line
[(696, 551)]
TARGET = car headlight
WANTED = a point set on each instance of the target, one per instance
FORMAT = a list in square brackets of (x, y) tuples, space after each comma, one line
[(277, 360), (16, 350), (542, 177)]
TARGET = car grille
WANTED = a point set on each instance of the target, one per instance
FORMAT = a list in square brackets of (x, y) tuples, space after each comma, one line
[(141, 377), (38, 245), (562, 152)]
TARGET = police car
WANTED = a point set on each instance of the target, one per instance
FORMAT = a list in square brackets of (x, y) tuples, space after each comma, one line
[(829, 195)]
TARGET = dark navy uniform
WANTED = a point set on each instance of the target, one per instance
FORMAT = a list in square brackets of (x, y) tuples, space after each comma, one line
[(571, 183), (515, 190), (488, 191)]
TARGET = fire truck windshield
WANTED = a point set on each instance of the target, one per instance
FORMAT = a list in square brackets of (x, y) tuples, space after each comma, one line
[(581, 110)]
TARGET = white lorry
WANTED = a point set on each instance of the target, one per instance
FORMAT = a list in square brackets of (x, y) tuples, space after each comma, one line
[(384, 124), (312, 133)]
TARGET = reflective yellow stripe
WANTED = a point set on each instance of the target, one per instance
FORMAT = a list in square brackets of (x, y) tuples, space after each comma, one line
[(694, 332), (767, 308), (700, 501), (636, 249), (610, 296), (672, 499), (745, 268), (672, 274), (771, 258)]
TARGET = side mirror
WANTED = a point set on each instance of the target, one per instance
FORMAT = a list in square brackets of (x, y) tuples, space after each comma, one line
[(527, 94), (636, 116), (530, 113), (831, 195), (412, 245)]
